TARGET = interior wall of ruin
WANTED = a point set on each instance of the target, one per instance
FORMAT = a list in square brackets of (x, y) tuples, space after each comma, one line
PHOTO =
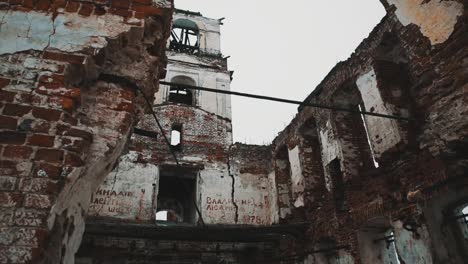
[(410, 68)]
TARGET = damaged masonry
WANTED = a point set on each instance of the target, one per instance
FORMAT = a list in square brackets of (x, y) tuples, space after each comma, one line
[(110, 154)]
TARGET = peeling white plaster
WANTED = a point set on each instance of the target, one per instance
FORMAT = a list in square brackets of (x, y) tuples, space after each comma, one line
[(297, 179), (412, 249), (331, 149), (24, 30), (436, 19), (384, 133), (127, 192), (69, 32), (254, 197), (216, 196), (330, 145), (73, 32)]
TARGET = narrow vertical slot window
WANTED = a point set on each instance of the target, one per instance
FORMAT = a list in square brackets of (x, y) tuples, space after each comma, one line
[(176, 137)]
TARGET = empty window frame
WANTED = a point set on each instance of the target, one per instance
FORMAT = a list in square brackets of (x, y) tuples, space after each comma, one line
[(185, 37), (179, 94), (176, 196), (176, 137), (460, 228), (350, 128), (463, 220), (336, 175)]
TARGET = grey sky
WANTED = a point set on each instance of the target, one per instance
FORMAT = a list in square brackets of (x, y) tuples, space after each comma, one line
[(283, 49)]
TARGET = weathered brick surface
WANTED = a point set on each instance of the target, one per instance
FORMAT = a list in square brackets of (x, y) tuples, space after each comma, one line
[(62, 130), (56, 122), (210, 143), (429, 158)]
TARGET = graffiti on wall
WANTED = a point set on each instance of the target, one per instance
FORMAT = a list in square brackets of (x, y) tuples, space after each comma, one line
[(127, 192)]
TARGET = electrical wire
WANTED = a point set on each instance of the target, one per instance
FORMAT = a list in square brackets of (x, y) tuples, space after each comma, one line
[(288, 101), (150, 106)]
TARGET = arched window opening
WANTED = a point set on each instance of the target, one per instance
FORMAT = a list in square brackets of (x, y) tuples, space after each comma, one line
[(184, 37), (350, 128), (312, 163), (180, 94), (384, 89), (176, 137), (460, 227)]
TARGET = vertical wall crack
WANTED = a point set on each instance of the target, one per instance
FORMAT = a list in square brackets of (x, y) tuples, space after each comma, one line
[(236, 216), (52, 33)]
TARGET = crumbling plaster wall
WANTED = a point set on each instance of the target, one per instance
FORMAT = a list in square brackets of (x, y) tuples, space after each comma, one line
[(331, 149), (438, 78), (412, 246), (297, 178), (56, 140), (436, 19), (254, 184), (233, 183), (128, 192)]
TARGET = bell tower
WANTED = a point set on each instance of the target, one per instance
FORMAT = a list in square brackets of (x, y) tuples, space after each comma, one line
[(194, 58)]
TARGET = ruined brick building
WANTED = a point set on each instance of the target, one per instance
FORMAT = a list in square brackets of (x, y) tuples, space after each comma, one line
[(91, 90)]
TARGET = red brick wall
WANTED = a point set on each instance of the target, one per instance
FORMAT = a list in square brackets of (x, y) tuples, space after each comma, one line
[(433, 87), (61, 130)]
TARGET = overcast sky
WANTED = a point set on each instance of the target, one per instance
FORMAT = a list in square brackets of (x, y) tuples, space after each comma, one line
[(283, 49)]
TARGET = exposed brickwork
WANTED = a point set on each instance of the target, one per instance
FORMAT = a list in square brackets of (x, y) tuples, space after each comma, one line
[(62, 129), (420, 161), (210, 143), (52, 131)]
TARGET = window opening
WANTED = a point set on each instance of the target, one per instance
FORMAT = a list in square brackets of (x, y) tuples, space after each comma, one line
[(362, 108), (174, 204), (176, 137), (161, 215), (336, 175), (461, 215), (184, 37), (180, 95)]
